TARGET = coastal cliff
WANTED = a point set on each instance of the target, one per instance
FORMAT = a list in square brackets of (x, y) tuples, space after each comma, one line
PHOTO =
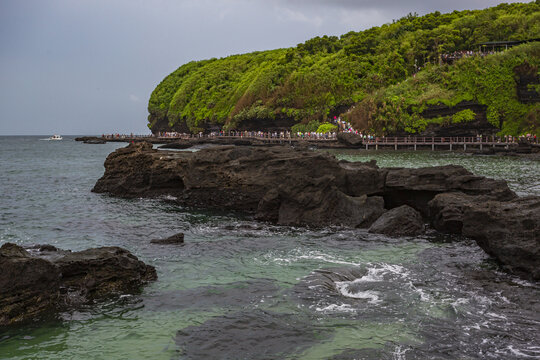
[(394, 79)]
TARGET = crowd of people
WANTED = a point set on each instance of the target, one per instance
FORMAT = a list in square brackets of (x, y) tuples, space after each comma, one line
[(456, 55), (124, 136), (343, 126)]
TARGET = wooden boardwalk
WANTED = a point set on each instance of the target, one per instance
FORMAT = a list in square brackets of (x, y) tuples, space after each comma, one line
[(396, 143), (437, 143)]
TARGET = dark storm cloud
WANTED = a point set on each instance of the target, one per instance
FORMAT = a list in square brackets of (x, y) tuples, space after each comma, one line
[(89, 66)]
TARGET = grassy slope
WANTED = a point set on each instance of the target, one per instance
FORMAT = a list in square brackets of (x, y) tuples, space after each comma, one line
[(324, 76)]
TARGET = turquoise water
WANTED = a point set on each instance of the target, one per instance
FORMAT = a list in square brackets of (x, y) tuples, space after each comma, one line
[(240, 289)]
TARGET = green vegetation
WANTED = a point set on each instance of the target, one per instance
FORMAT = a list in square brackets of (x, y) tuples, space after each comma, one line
[(312, 126), (488, 81), (370, 70), (326, 128)]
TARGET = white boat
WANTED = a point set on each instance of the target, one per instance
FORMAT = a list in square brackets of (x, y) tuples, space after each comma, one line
[(54, 137)]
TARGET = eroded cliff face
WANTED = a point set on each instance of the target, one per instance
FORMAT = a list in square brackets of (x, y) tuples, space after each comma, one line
[(159, 122), (479, 125), (526, 77)]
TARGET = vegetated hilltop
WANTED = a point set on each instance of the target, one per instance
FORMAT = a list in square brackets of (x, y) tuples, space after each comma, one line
[(371, 78)]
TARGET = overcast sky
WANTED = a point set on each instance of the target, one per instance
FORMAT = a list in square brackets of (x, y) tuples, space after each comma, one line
[(89, 66)]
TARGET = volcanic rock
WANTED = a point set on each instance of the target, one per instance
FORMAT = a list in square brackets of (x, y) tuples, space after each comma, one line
[(400, 221), (416, 187), (45, 278), (287, 186), (95, 141), (349, 139), (509, 231), (28, 285), (284, 185), (171, 240), (446, 210), (179, 145)]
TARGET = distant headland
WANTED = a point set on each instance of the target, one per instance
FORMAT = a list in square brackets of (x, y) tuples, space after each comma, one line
[(458, 74)]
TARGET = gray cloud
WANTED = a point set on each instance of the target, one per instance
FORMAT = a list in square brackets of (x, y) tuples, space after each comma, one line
[(89, 66)]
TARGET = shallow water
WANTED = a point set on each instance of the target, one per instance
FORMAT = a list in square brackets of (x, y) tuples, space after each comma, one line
[(244, 289)]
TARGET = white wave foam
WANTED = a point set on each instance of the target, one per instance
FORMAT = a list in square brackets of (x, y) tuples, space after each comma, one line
[(521, 353), (522, 282), (399, 353), (423, 296), (313, 255), (336, 308), (344, 289), (376, 273)]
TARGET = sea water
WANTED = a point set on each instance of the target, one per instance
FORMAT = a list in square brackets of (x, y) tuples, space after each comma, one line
[(241, 289)]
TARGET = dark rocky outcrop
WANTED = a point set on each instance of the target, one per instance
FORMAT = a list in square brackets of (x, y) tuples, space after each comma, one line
[(91, 140), (509, 231), (177, 145), (447, 210), (44, 278), (400, 221), (416, 187), (95, 141), (349, 139), (527, 75), (284, 185), (171, 240), (290, 186), (29, 286)]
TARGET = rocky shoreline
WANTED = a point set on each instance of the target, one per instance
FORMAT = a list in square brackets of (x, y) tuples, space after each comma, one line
[(289, 186), (43, 279)]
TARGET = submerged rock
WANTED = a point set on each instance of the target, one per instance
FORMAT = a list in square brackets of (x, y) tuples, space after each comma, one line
[(400, 221), (246, 334), (95, 141), (45, 278), (171, 240)]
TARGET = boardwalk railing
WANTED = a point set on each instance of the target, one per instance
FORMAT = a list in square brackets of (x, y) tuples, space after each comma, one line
[(258, 136), (450, 143)]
